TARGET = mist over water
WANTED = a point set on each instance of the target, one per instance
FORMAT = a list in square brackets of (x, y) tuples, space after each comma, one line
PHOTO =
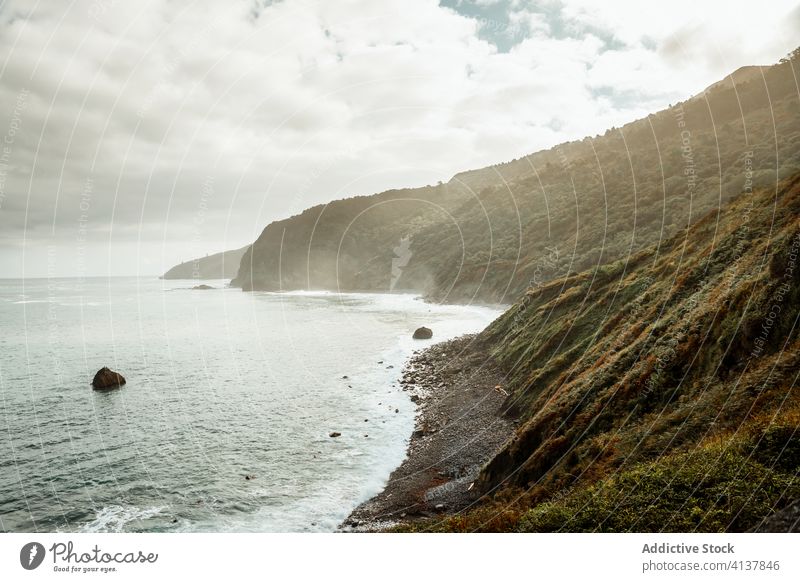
[(221, 385)]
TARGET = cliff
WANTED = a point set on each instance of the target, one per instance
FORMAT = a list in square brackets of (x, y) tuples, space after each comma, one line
[(222, 265), (658, 392), (489, 234)]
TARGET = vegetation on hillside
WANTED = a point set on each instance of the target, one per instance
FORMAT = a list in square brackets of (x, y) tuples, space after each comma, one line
[(657, 392), (490, 234), (730, 482)]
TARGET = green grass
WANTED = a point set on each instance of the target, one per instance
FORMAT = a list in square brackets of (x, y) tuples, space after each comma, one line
[(716, 488), (727, 483)]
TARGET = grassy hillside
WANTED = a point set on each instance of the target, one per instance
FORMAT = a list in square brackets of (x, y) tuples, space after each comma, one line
[(490, 234), (657, 392), (223, 265)]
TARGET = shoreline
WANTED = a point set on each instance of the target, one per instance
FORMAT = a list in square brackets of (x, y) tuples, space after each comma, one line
[(459, 426)]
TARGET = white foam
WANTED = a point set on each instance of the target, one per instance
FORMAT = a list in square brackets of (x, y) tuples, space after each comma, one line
[(303, 293), (114, 518)]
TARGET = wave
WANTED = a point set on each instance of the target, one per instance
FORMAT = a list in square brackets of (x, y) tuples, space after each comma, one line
[(302, 293), (114, 518)]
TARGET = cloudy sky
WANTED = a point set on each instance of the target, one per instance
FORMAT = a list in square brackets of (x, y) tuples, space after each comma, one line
[(139, 134)]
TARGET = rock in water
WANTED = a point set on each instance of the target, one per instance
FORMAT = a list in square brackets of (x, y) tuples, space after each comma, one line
[(423, 333), (203, 287), (106, 378), (335, 434)]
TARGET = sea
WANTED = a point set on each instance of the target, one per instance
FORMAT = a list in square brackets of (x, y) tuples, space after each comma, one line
[(225, 421)]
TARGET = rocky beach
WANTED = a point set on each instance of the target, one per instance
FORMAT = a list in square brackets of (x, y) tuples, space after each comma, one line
[(459, 426)]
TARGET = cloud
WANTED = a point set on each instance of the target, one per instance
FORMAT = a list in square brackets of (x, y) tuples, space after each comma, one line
[(130, 109)]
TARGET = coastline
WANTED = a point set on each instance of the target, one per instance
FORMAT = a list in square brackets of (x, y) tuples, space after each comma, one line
[(287, 475), (459, 427)]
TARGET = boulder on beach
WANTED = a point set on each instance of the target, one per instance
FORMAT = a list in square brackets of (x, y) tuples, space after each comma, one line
[(106, 378), (423, 333), (202, 287)]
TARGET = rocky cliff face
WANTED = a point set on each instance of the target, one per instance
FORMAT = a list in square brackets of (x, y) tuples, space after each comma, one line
[(490, 234)]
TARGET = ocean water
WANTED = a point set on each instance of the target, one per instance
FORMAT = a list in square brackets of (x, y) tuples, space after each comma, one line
[(221, 385)]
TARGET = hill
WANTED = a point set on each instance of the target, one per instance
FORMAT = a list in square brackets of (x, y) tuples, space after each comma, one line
[(657, 392), (489, 234), (222, 265)]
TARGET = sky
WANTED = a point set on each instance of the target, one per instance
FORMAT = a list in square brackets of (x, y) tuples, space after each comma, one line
[(136, 135)]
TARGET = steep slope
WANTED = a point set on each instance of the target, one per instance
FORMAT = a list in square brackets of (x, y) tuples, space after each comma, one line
[(222, 265), (658, 391), (489, 234), (350, 244)]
